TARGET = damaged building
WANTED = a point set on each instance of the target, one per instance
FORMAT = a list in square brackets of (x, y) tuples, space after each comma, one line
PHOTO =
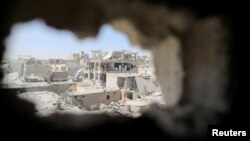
[(91, 100), (102, 63), (89, 82)]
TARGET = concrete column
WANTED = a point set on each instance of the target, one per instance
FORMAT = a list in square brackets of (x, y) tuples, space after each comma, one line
[(99, 71), (94, 72), (113, 65), (99, 77), (99, 66), (122, 66), (88, 66), (88, 74), (124, 95)]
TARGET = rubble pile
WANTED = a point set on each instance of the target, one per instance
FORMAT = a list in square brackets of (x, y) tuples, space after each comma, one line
[(47, 103), (117, 83), (86, 83), (115, 108)]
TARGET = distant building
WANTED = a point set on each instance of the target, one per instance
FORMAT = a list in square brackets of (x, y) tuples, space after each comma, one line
[(114, 61), (145, 65), (73, 56), (77, 56)]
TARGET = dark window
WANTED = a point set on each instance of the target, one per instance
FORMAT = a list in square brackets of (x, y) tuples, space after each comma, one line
[(107, 98)]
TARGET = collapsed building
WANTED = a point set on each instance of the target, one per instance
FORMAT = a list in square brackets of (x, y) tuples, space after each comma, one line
[(105, 62), (116, 70), (33, 70), (58, 71), (90, 82), (145, 64)]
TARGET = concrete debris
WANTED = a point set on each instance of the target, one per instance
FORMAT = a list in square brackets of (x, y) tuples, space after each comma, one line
[(47, 103), (94, 107), (116, 83), (103, 106)]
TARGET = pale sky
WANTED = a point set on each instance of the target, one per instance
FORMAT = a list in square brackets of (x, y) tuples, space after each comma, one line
[(37, 39)]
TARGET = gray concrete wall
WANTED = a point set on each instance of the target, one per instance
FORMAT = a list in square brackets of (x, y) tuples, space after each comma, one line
[(87, 100), (38, 69), (60, 76), (111, 79), (55, 87), (145, 86), (73, 68), (15, 66)]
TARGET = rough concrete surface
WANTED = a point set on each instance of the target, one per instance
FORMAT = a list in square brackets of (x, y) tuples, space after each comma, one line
[(191, 56)]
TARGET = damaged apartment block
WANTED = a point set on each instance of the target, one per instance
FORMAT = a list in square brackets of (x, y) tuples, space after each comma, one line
[(86, 82)]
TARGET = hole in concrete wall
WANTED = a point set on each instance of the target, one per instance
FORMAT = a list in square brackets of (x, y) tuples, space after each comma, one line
[(130, 95), (170, 36), (107, 98), (57, 70)]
